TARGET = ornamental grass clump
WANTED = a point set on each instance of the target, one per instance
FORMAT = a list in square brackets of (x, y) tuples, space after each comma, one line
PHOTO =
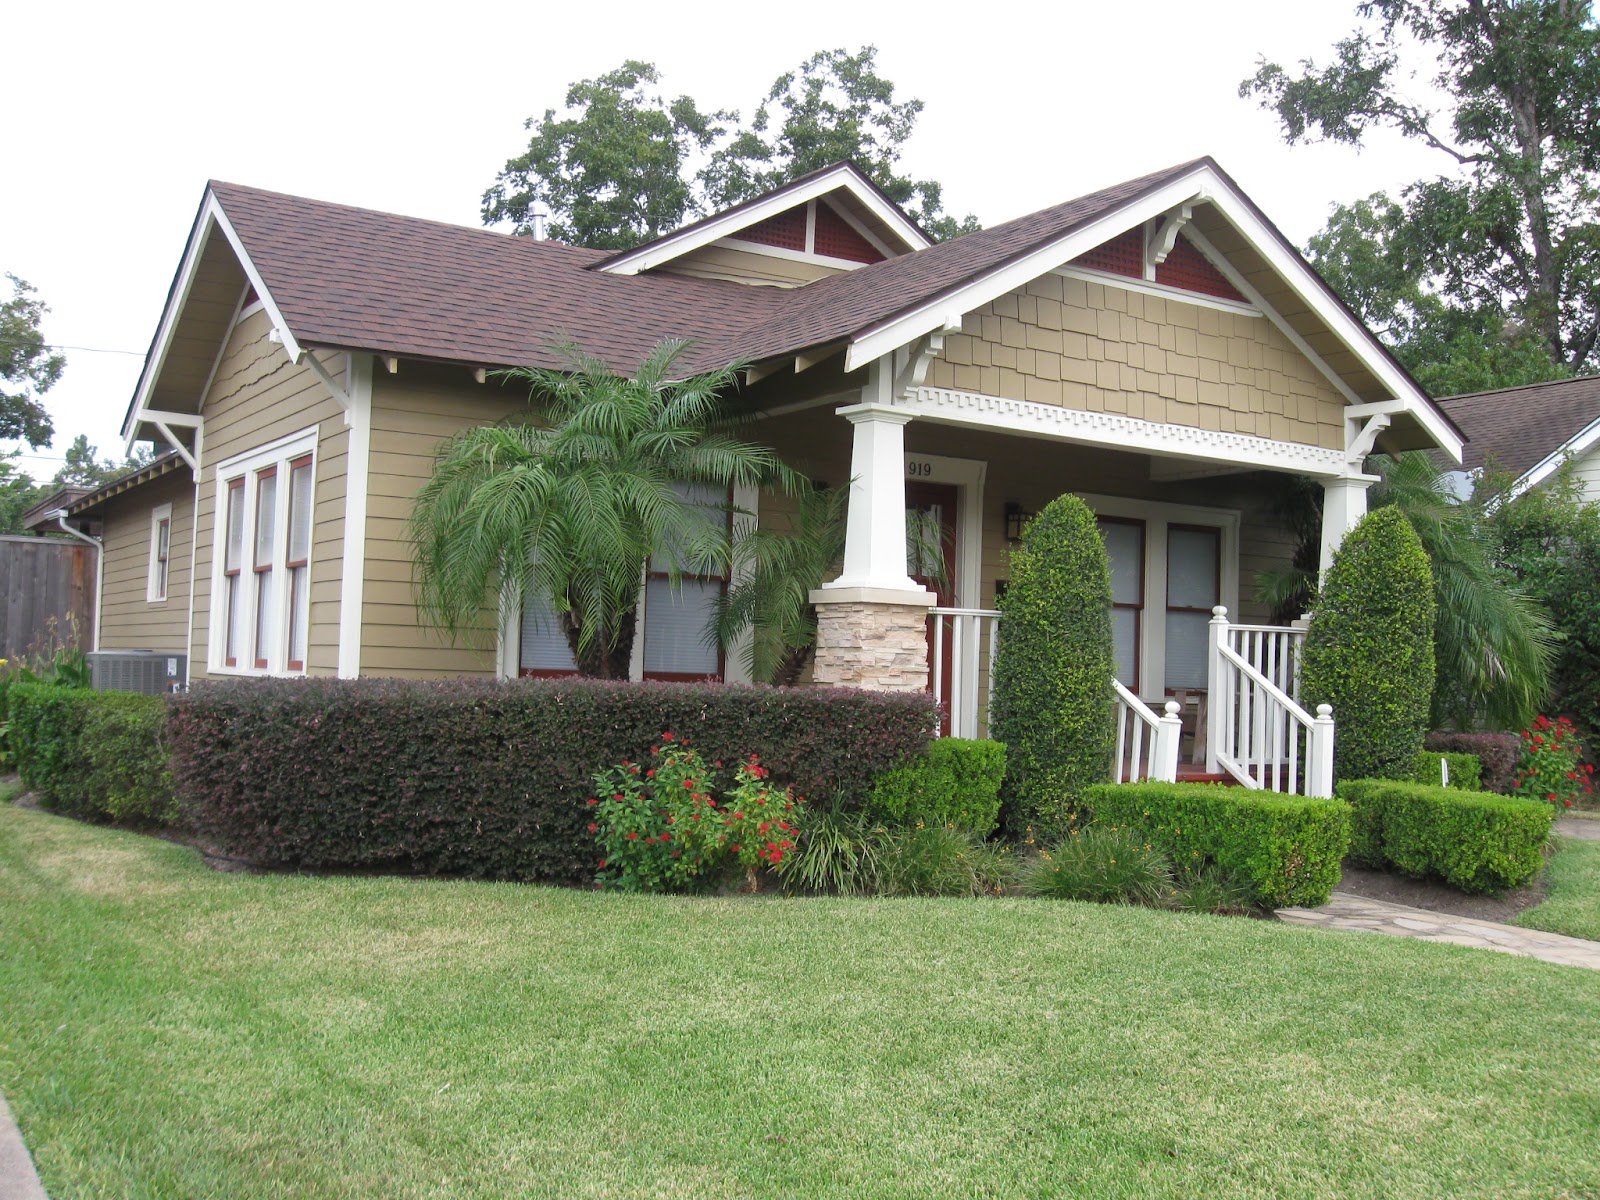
[(1369, 651), (1106, 864), (1552, 767), (1053, 669), (661, 828)]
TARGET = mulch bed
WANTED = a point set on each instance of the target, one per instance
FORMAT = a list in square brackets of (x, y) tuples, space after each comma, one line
[(1439, 897)]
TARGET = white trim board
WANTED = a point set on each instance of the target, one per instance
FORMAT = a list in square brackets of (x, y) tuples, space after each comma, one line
[(1147, 288), (358, 460), (967, 475), (1201, 184), (946, 406), (800, 256), (844, 176), (158, 514)]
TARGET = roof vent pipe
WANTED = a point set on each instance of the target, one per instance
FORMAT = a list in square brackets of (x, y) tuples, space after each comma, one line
[(538, 216)]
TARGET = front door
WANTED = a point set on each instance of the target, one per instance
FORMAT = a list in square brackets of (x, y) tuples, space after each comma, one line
[(931, 561)]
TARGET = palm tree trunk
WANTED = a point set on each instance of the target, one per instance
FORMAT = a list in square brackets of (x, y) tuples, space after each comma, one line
[(792, 665)]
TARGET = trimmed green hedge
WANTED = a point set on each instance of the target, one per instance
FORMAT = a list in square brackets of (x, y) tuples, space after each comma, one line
[(1053, 704), (1476, 841), (1369, 651), (1285, 849), (97, 755), (1466, 770), (489, 779), (956, 782)]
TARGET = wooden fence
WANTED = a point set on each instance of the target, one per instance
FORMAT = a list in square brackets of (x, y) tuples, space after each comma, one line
[(46, 585)]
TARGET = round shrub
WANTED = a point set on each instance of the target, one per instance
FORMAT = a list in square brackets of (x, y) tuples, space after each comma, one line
[(1053, 668), (954, 782), (1369, 651)]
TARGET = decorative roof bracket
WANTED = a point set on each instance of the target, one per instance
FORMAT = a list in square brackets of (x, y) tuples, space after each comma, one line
[(1164, 237)]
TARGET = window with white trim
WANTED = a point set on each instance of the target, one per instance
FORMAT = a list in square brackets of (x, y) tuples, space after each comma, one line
[(160, 553), (262, 572)]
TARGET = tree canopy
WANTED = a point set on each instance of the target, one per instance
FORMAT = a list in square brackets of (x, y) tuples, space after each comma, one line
[(1488, 274), (27, 366), (623, 163)]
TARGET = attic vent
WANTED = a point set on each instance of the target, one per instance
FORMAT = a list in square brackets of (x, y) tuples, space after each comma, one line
[(787, 230), (836, 239), (1122, 255)]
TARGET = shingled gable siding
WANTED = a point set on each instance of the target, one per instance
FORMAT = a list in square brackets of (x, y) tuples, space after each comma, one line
[(128, 620), (1100, 348), (412, 413), (257, 396), (745, 266)]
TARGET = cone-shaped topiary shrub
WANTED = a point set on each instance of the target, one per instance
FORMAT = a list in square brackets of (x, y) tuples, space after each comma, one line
[(1053, 668), (1369, 651)]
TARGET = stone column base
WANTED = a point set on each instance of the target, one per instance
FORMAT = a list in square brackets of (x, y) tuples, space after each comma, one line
[(872, 638)]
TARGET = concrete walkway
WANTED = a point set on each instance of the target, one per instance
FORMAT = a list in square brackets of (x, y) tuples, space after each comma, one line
[(1585, 829), (18, 1179), (1357, 913)]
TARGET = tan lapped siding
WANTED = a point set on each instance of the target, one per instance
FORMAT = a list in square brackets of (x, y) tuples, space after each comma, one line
[(1097, 347), (412, 413), (748, 266), (256, 397), (129, 620)]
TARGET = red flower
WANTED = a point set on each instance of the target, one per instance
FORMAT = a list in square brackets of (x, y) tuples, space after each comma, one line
[(666, 837), (1568, 803), (666, 737), (602, 862), (738, 816), (593, 828), (718, 763), (764, 826), (591, 801), (736, 849), (650, 774), (633, 837), (618, 796), (786, 844), (689, 783), (1537, 740), (1552, 796), (761, 801), (672, 820)]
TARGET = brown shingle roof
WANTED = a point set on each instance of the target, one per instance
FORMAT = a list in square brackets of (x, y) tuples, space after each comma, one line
[(1522, 426), (356, 279)]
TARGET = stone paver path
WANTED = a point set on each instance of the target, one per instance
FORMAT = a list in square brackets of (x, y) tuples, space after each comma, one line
[(18, 1180), (1585, 829), (1357, 913)]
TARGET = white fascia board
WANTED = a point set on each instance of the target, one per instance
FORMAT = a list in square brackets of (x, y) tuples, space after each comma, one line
[(925, 318), (735, 242), (716, 228), (946, 406), (1575, 447), (211, 217)]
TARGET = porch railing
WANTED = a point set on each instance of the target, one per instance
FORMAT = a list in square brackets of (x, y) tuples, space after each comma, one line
[(972, 633), (1147, 745), (1258, 731)]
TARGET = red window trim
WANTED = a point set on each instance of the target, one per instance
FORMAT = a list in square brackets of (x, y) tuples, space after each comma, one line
[(234, 485)]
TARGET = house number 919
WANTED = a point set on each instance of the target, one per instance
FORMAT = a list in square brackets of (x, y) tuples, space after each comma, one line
[(919, 470)]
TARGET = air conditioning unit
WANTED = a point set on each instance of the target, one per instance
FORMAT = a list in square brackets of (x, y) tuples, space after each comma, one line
[(153, 672)]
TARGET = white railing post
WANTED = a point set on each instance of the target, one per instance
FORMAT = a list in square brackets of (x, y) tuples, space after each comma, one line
[(1218, 699), (1169, 735), (1320, 752)]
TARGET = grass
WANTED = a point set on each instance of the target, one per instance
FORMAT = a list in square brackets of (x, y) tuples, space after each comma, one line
[(169, 1031), (1573, 905)]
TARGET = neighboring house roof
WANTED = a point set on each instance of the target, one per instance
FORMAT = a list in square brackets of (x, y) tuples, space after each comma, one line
[(1529, 430), (342, 278), (43, 513), (161, 465)]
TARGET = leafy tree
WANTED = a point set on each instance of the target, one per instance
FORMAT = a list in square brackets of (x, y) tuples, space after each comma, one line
[(1053, 669), (615, 167), (1369, 651), (18, 493), (1489, 275), (833, 106), (1549, 541), (81, 468), (27, 365), (573, 503)]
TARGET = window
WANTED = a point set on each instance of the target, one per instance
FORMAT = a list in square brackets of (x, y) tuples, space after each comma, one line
[(160, 552), (672, 632), (1124, 538), (262, 614)]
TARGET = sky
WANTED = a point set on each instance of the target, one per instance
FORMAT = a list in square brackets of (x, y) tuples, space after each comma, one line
[(121, 112)]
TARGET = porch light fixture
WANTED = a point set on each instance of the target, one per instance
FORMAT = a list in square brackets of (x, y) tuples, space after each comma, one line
[(1016, 518)]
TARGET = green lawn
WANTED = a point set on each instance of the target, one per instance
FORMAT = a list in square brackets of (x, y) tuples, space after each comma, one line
[(168, 1031), (1573, 906)]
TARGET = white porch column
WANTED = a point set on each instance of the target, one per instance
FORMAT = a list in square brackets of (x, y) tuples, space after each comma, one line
[(875, 528), (1344, 502), (872, 621)]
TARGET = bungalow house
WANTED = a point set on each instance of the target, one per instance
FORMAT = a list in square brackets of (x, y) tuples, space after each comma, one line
[(1532, 431), (1158, 348)]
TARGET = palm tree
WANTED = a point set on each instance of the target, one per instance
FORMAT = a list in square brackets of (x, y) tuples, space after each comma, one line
[(572, 503), (1493, 645)]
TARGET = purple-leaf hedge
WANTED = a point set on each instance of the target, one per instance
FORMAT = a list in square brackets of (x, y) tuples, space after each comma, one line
[(489, 779)]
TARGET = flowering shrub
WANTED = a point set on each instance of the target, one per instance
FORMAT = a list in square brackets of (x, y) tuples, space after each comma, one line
[(661, 828), (1552, 767)]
